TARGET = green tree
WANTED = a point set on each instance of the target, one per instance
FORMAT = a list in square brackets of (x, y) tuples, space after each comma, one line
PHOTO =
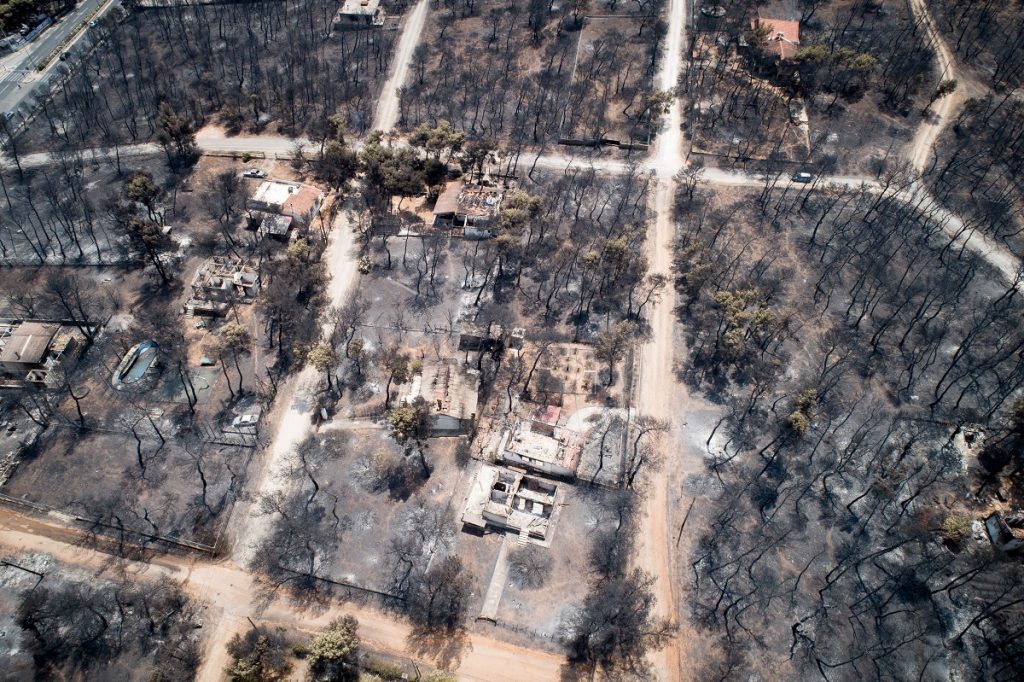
[(800, 418), (141, 189), (436, 140), (337, 164), (408, 421), (392, 172), (355, 350), (943, 89), (334, 653), (396, 364), (177, 136), (956, 526), (235, 340), (476, 155), (259, 655), (144, 235), (322, 357)]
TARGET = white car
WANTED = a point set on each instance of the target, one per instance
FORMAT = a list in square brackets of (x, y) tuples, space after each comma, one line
[(254, 173), (246, 420)]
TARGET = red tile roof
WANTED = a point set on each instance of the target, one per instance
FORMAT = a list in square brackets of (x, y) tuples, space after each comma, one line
[(784, 38)]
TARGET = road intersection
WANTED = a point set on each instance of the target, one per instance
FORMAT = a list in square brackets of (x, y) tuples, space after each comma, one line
[(233, 592)]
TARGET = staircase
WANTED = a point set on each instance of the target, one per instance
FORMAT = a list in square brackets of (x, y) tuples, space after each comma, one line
[(524, 536)]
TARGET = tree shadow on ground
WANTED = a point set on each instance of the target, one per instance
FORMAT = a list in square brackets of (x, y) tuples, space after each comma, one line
[(302, 591), (444, 648)]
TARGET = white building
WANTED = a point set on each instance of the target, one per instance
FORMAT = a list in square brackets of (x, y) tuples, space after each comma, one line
[(541, 447), (299, 202), (508, 500), (359, 14)]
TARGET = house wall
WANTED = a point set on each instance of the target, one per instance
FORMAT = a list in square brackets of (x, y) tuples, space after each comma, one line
[(549, 468)]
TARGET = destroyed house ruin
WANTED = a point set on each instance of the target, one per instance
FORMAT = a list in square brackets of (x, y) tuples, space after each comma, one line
[(471, 208), (31, 352), (508, 500), (541, 447), (220, 281), (359, 14), (450, 394)]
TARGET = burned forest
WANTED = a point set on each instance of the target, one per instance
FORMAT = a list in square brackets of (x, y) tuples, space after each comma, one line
[(509, 340)]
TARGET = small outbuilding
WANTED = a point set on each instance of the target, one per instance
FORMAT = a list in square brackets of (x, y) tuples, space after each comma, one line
[(450, 394)]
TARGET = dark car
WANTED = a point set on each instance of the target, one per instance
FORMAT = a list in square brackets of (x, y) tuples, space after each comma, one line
[(802, 177)]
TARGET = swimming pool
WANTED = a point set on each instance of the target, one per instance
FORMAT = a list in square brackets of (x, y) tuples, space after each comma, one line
[(136, 363)]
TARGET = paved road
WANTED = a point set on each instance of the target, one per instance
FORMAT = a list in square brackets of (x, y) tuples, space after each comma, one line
[(213, 140), (17, 85)]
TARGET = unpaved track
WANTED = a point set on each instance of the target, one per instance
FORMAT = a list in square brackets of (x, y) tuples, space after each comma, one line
[(927, 134), (387, 107), (294, 421), (232, 594), (657, 391)]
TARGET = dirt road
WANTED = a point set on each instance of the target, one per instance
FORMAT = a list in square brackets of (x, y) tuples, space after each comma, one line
[(920, 151), (657, 391), (294, 423), (232, 594), (387, 106)]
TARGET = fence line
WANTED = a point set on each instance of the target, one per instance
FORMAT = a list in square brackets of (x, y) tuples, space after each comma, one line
[(75, 518)]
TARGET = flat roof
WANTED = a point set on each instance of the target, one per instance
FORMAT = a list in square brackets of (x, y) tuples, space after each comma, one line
[(28, 343), (535, 446), (360, 6), (563, 447), (275, 192)]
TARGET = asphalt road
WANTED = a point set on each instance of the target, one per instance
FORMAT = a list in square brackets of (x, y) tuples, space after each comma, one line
[(13, 88)]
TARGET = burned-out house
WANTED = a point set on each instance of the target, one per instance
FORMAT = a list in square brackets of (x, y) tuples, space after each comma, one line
[(357, 14), (450, 394), (507, 500), (542, 446), (1006, 533), (470, 210), (32, 352), (221, 281)]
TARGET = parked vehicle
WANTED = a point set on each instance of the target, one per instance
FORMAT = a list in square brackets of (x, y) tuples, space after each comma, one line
[(254, 173), (245, 420), (802, 177)]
